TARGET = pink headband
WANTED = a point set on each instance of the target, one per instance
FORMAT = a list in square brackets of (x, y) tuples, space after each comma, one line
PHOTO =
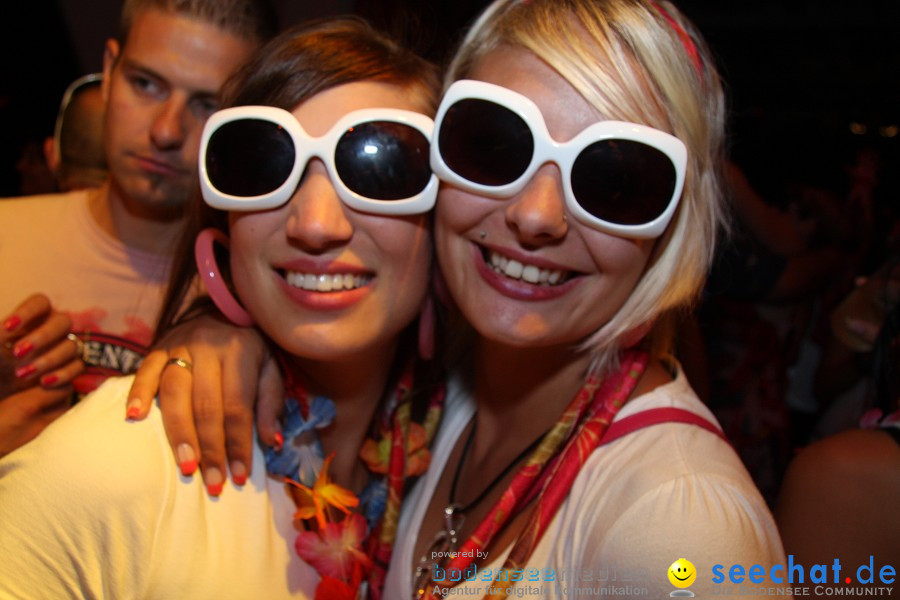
[(686, 40)]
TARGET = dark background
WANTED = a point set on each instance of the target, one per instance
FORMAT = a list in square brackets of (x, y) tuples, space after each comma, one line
[(801, 74)]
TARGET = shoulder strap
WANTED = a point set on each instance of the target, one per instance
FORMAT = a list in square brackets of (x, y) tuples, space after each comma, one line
[(656, 416)]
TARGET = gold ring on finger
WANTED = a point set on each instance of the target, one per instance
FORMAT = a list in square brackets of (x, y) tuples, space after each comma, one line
[(184, 364)]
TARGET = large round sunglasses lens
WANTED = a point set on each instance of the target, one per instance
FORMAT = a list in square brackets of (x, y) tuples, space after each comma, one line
[(623, 181), (485, 142), (249, 157), (383, 160)]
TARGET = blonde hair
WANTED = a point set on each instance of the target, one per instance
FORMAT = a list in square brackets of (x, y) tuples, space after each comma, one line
[(643, 62)]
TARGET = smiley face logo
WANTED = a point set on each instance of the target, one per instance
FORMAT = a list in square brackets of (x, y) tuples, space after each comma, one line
[(682, 573)]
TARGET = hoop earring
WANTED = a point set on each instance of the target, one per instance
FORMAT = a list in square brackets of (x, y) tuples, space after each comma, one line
[(212, 278)]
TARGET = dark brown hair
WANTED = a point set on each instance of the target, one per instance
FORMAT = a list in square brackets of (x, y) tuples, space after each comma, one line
[(253, 20), (291, 68)]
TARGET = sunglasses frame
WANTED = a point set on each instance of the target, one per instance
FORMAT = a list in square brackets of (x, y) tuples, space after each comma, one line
[(307, 147), (564, 155)]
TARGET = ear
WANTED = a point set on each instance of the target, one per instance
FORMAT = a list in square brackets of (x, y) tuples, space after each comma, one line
[(110, 56), (50, 155)]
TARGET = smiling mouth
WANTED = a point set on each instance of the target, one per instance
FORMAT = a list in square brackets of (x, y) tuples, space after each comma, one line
[(514, 269), (325, 282), (679, 578)]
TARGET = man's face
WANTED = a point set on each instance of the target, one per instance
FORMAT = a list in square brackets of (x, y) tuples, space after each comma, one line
[(160, 87)]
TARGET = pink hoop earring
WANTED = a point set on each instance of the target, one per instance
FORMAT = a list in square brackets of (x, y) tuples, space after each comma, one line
[(212, 278)]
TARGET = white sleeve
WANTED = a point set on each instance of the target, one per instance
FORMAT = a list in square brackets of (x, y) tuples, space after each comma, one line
[(703, 518), (667, 492), (79, 505)]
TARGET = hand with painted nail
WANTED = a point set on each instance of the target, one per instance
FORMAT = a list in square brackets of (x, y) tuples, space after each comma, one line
[(36, 348), (208, 375)]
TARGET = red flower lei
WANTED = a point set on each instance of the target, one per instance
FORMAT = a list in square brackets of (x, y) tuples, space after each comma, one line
[(350, 558)]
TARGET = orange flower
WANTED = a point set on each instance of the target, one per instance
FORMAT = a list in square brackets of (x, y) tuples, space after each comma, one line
[(313, 502)]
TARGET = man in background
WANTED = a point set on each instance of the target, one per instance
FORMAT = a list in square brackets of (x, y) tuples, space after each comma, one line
[(102, 255)]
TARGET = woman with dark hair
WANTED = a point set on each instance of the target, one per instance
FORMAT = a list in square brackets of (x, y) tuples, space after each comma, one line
[(316, 180)]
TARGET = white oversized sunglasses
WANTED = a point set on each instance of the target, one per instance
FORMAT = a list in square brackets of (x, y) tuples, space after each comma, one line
[(253, 157), (620, 178)]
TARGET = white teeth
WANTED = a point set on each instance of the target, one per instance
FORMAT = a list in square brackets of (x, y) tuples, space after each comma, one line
[(326, 282), (514, 269), (530, 273)]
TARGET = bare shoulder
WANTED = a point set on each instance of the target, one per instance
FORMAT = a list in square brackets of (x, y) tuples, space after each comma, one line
[(839, 497), (856, 456)]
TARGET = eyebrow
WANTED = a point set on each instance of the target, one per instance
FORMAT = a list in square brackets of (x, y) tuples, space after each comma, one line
[(130, 64)]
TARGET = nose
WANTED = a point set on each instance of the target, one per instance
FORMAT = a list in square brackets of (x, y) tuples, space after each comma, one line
[(317, 220), (538, 212), (169, 126)]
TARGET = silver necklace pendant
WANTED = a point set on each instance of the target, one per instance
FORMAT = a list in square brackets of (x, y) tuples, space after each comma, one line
[(442, 549), (453, 522)]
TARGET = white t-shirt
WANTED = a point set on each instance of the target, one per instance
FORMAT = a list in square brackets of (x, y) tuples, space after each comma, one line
[(638, 504), (52, 244), (95, 507)]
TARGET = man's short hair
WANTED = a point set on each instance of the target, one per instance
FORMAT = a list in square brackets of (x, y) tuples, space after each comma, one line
[(253, 20)]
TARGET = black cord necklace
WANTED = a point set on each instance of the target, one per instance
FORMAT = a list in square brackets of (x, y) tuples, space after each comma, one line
[(459, 467), (446, 541)]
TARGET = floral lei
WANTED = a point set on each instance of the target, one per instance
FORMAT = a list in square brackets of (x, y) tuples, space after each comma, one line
[(350, 550)]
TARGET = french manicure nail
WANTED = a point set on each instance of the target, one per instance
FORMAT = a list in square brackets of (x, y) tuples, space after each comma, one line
[(25, 370), (12, 322), (279, 441), (49, 380), (213, 478), (238, 472), (187, 460), (22, 348), (133, 409)]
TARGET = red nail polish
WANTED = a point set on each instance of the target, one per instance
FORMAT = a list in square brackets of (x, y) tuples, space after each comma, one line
[(22, 348), (24, 371), (49, 380), (12, 322), (214, 489), (133, 413), (240, 479), (188, 467), (279, 441)]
